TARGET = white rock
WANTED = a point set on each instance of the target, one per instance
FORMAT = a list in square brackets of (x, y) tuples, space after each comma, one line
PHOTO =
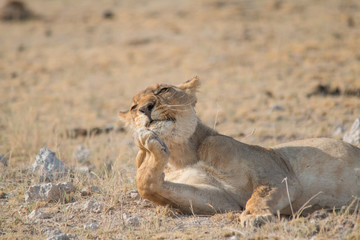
[(39, 214), (134, 194), (57, 234), (133, 221), (81, 154), (63, 236), (276, 108), (93, 206), (48, 192), (91, 226), (3, 160), (51, 232), (353, 135), (48, 166)]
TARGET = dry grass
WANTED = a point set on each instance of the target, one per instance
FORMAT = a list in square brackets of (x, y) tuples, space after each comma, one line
[(73, 68)]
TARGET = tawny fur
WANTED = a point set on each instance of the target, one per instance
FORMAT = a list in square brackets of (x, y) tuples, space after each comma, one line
[(189, 166)]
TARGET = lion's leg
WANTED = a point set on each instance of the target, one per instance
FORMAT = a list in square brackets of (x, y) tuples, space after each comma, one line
[(189, 198), (151, 160), (265, 202), (140, 157)]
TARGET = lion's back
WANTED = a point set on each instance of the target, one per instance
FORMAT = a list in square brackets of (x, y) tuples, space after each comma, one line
[(311, 148)]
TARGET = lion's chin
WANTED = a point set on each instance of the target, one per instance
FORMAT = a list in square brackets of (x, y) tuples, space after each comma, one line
[(156, 122), (162, 127)]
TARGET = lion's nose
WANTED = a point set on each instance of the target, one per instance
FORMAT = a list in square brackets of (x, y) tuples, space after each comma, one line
[(146, 109)]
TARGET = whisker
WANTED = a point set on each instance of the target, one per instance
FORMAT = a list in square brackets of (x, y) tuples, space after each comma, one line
[(180, 105), (168, 106)]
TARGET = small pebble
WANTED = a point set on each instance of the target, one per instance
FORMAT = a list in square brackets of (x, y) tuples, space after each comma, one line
[(91, 226)]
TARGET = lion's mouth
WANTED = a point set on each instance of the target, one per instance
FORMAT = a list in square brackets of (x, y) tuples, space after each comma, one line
[(154, 121)]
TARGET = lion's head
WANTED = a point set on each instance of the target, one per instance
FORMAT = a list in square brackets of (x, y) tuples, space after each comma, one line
[(167, 110)]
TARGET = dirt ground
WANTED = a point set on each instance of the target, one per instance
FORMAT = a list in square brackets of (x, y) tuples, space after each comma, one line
[(271, 71)]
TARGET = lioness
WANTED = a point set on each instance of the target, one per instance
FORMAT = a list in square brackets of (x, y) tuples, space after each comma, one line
[(189, 166)]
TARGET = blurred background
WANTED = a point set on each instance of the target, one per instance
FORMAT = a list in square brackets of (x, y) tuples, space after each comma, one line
[(271, 70)]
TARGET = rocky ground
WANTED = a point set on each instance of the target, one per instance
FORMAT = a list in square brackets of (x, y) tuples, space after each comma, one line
[(271, 71)]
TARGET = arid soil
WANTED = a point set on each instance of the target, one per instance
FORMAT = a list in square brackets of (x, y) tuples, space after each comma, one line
[(271, 70)]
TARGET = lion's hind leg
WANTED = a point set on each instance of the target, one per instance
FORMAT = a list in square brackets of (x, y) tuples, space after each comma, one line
[(265, 202)]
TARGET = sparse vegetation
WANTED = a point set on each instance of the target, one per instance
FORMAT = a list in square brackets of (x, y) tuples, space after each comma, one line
[(258, 62)]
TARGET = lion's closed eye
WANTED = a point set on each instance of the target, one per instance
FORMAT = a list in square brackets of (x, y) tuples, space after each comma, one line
[(162, 91), (133, 107)]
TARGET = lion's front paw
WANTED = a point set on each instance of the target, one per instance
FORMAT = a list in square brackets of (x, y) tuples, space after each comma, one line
[(150, 140), (255, 220)]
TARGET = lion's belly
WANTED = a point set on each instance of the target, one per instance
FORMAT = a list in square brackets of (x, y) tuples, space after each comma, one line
[(232, 183), (328, 166)]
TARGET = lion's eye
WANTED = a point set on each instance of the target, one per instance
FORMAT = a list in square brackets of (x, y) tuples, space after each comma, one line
[(133, 107), (163, 90)]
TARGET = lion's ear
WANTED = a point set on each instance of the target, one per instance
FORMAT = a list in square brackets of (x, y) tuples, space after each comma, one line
[(190, 86)]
